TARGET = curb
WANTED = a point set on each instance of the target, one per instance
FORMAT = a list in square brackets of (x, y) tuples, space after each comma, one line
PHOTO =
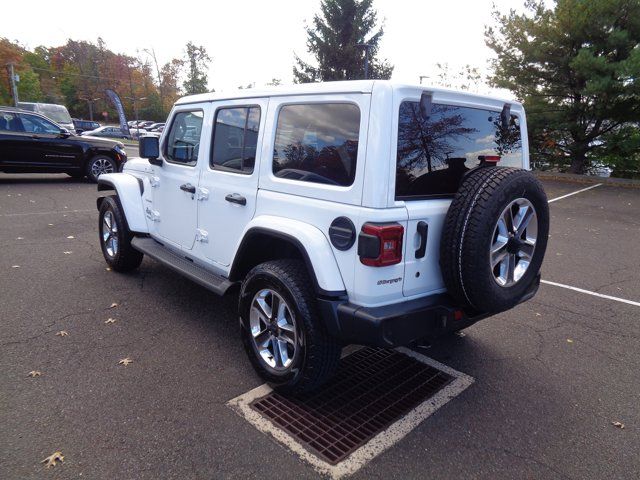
[(588, 180)]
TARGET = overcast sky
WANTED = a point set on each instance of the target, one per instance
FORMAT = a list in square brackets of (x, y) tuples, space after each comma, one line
[(255, 40)]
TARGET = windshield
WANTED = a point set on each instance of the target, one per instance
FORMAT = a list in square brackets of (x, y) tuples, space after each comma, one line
[(57, 113)]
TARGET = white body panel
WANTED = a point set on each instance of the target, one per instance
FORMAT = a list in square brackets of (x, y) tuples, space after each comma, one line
[(128, 190), (297, 208)]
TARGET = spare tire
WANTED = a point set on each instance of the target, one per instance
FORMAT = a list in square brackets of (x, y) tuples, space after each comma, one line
[(494, 238)]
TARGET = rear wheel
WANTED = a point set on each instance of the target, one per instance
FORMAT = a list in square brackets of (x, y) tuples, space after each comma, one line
[(281, 328), (99, 165), (115, 237)]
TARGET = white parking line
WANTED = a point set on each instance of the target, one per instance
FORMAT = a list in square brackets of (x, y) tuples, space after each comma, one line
[(574, 193), (44, 213), (374, 447), (595, 294)]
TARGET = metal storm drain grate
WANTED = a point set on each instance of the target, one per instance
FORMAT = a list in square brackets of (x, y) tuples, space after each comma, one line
[(373, 389)]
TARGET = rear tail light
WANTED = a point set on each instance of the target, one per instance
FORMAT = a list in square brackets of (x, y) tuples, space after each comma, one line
[(489, 158), (380, 244)]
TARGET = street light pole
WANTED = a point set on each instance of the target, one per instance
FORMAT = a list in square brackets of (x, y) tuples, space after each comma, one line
[(90, 102), (135, 106), (367, 47)]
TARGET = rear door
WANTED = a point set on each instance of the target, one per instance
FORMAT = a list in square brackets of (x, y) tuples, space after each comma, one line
[(13, 140), (229, 179), (433, 155)]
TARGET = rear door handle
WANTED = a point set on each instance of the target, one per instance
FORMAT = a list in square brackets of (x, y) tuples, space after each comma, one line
[(423, 231), (236, 198), (187, 187)]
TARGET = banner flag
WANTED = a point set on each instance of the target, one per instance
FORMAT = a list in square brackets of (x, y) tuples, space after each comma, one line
[(113, 96)]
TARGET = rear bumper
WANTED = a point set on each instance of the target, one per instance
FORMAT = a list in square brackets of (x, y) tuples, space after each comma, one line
[(402, 323)]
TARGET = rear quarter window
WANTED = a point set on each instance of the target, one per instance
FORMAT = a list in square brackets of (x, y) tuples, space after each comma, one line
[(434, 154), (317, 143)]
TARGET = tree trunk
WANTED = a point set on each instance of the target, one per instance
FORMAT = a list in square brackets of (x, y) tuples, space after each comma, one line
[(578, 161)]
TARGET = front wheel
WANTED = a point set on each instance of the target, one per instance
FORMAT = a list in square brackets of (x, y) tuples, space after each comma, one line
[(115, 237), (281, 328), (100, 164)]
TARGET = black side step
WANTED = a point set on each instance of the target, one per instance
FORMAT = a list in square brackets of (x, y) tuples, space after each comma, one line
[(216, 283)]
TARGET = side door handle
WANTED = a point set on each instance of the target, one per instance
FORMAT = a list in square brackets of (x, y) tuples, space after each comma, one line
[(236, 198), (423, 231), (187, 187)]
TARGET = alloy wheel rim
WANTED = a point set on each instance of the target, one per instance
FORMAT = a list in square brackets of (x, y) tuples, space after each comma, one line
[(100, 166), (514, 241), (273, 329), (110, 233)]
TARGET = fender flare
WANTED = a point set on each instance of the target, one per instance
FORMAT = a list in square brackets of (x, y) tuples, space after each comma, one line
[(129, 190), (309, 241)]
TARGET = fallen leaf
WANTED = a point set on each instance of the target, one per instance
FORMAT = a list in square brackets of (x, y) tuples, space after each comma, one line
[(125, 361), (538, 314), (35, 373), (70, 237), (110, 320), (51, 460), (113, 305), (620, 425), (67, 252), (15, 266), (62, 333), (108, 269), (569, 340)]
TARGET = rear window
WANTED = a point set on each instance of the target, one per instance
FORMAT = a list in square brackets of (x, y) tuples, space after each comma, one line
[(317, 143), (434, 154)]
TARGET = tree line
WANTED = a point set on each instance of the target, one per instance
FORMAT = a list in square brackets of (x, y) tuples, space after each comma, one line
[(78, 73)]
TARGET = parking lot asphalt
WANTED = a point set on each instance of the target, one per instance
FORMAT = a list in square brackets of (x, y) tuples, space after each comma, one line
[(551, 376)]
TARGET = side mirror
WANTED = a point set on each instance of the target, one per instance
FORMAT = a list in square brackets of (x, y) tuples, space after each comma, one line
[(64, 133), (426, 104), (149, 148)]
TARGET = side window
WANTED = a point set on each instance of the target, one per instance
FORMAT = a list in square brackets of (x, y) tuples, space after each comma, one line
[(235, 138), (183, 141), (9, 122), (317, 143), (34, 124), (434, 154)]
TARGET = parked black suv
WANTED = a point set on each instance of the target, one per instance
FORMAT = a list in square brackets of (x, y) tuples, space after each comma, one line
[(31, 143)]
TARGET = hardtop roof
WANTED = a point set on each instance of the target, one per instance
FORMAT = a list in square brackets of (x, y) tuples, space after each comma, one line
[(349, 86)]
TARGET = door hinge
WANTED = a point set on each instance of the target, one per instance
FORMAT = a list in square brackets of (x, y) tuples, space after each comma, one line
[(152, 215), (202, 236), (203, 194), (154, 181)]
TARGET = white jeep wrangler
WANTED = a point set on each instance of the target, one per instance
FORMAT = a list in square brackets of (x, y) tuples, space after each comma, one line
[(360, 212)]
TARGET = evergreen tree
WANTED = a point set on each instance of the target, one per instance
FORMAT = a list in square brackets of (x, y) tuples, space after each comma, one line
[(197, 62), (576, 67), (336, 40)]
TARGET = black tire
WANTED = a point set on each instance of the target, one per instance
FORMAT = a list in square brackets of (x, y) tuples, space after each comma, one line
[(93, 173), (317, 354), (469, 233), (124, 257)]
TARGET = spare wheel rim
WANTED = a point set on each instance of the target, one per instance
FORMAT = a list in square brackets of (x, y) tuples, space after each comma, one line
[(514, 241)]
